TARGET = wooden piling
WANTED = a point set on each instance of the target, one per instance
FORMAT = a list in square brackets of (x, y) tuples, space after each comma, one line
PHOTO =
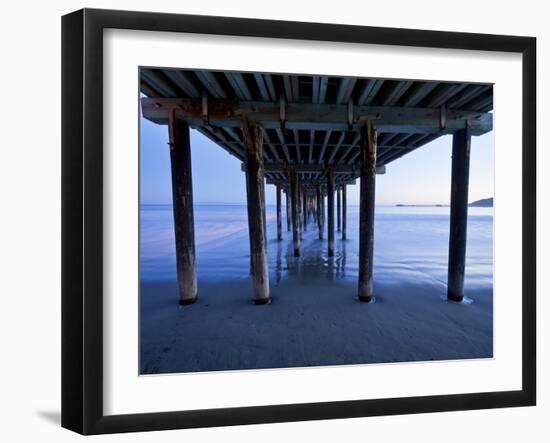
[(288, 210), (182, 198), (330, 204), (344, 211), (256, 210), (460, 172), (304, 207), (338, 208), (295, 201), (367, 165), (279, 214), (299, 202), (320, 210)]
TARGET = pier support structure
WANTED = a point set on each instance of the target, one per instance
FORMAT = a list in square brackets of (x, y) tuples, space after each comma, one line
[(319, 202), (344, 211), (367, 165), (304, 208), (279, 214), (459, 214), (288, 210), (255, 194), (330, 208), (338, 208), (182, 197), (295, 201)]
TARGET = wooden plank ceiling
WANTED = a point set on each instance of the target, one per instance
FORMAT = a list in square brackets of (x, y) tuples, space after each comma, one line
[(316, 149)]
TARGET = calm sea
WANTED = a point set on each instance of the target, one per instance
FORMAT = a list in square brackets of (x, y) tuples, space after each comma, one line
[(411, 244)]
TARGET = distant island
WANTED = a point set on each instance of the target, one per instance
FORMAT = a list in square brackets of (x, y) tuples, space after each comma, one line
[(401, 205), (483, 203)]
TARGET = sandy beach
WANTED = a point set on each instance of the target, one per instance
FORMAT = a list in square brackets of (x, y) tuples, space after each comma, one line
[(314, 318)]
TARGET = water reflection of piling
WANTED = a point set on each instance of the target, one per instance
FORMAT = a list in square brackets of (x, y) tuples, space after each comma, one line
[(279, 263)]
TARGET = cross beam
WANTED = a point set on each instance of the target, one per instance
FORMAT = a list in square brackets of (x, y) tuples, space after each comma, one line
[(307, 184), (314, 116), (336, 169)]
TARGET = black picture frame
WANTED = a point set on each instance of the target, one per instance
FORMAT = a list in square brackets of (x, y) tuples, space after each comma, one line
[(82, 218)]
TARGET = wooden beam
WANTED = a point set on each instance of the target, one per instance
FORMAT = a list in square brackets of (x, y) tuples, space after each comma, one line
[(336, 148), (157, 80), (311, 183), (349, 150), (281, 137), (459, 215), (238, 83), (444, 93), (345, 89), (255, 194), (211, 83), (182, 198), (396, 92), (469, 94), (262, 87), (308, 116), (297, 145), (419, 92), (311, 143), (288, 88), (183, 81), (369, 91), (315, 81), (324, 147), (323, 89), (311, 169), (366, 212), (270, 145)]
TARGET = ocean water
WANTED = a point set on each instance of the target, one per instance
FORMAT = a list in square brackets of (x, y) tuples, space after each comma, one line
[(411, 245), (314, 318)]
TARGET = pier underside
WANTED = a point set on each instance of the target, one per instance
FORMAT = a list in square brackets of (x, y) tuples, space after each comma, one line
[(311, 136)]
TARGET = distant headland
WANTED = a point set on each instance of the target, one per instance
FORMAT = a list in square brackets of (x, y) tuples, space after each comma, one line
[(483, 203)]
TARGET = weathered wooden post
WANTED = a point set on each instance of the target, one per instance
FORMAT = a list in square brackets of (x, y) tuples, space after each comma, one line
[(256, 210), (182, 198), (459, 214), (288, 210), (319, 210), (300, 196), (367, 166), (338, 208), (304, 207), (344, 211), (279, 214), (330, 202), (295, 200)]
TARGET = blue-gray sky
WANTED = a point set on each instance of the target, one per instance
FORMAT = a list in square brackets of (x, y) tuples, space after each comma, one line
[(421, 177)]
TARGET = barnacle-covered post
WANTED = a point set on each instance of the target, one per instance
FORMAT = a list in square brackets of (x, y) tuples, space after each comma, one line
[(367, 165), (255, 195), (460, 171), (182, 198)]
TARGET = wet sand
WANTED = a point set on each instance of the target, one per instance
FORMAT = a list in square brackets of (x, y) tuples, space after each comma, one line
[(315, 318)]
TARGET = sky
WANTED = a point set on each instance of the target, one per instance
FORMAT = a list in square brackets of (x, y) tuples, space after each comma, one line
[(420, 177)]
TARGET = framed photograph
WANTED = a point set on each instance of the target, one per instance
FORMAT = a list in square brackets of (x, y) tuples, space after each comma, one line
[(269, 221)]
